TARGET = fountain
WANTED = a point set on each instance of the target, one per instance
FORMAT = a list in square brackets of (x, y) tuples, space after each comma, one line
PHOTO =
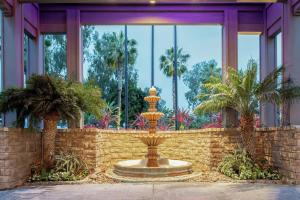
[(152, 166)]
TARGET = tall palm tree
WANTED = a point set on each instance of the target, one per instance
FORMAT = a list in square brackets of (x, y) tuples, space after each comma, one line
[(50, 99), (242, 92), (167, 66), (113, 52)]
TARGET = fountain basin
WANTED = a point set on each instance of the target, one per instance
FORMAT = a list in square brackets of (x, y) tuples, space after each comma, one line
[(166, 168)]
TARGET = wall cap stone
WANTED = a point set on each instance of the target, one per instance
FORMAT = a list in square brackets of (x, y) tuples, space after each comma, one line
[(285, 128)]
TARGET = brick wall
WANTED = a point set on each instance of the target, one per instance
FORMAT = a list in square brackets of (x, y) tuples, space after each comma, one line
[(80, 141), (281, 147), (19, 149), (204, 148)]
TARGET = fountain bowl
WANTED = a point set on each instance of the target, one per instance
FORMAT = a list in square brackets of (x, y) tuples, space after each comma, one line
[(152, 116), (152, 139), (138, 168)]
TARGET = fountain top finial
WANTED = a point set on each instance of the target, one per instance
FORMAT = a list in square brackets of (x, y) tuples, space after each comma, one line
[(152, 91)]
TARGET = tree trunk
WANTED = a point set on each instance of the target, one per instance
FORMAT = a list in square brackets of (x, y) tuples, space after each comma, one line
[(248, 134), (119, 74), (173, 96), (49, 133)]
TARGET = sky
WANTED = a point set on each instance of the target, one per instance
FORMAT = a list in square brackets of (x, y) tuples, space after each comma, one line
[(202, 42)]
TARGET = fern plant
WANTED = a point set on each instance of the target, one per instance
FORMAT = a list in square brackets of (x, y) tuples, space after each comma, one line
[(50, 99)]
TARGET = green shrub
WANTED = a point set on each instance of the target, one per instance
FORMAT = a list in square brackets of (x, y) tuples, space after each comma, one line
[(68, 167), (240, 166)]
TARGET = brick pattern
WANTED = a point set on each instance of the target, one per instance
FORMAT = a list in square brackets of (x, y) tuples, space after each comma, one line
[(204, 148), (19, 150), (101, 149), (281, 147)]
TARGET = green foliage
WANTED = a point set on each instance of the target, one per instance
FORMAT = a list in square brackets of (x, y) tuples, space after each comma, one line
[(55, 55), (167, 62), (197, 77), (242, 92), (46, 95), (68, 167), (240, 166)]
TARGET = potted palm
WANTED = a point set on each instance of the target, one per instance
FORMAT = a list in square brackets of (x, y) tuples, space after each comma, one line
[(241, 91), (50, 99)]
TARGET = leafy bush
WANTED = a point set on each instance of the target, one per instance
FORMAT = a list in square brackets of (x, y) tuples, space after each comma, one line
[(240, 166), (68, 167)]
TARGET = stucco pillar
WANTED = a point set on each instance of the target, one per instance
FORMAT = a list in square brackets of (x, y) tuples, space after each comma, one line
[(74, 52), (291, 56), (229, 57), (13, 61), (268, 63), (74, 45), (36, 57)]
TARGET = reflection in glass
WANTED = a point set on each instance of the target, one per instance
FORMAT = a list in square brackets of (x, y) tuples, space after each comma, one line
[(55, 55)]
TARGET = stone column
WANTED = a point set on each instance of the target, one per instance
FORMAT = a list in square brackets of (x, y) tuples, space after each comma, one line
[(229, 57), (13, 61)]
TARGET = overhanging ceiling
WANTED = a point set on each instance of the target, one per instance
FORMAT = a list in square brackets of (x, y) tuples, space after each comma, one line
[(151, 1)]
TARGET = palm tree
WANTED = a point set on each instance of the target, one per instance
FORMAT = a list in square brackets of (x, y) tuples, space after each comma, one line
[(167, 66), (50, 99), (113, 52), (242, 93)]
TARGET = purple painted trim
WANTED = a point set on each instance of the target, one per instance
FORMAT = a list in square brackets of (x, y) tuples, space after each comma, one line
[(31, 19), (274, 13), (7, 7), (275, 28), (53, 17), (149, 8), (296, 7), (31, 14), (152, 18)]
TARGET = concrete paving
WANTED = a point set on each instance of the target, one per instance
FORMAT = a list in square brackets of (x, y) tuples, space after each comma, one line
[(169, 191)]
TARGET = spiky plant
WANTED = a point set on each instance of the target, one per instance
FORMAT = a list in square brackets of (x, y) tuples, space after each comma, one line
[(242, 92), (50, 99)]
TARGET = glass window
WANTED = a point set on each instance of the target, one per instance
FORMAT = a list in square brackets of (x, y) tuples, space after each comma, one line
[(104, 61), (139, 65), (278, 49), (55, 54), (199, 47), (1, 60), (55, 60), (26, 57), (202, 47), (26, 66), (163, 65), (249, 50)]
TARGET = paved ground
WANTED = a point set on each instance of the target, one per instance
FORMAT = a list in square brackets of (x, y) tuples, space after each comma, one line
[(169, 191)]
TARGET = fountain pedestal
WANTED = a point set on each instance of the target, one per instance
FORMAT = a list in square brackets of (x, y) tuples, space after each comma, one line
[(153, 165)]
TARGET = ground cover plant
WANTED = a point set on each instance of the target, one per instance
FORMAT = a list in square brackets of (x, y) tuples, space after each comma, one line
[(239, 165), (67, 167)]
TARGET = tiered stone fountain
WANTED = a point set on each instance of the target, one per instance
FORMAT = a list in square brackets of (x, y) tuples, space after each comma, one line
[(152, 166)]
